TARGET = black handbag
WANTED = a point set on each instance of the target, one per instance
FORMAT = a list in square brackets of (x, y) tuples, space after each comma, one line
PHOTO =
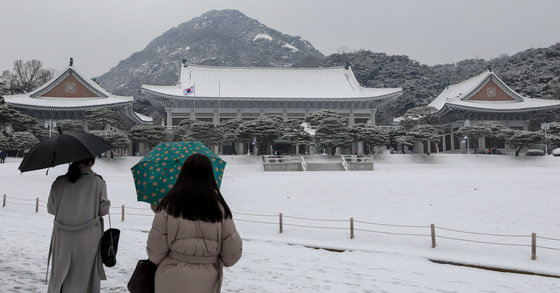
[(109, 245), (142, 280)]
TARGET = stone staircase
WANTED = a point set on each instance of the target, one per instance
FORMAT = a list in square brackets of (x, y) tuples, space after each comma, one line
[(325, 167)]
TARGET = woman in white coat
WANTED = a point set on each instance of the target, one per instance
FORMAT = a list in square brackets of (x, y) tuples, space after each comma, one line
[(77, 200), (193, 234)]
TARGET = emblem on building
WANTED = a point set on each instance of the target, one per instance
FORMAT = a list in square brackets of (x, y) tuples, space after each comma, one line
[(70, 87), (491, 92)]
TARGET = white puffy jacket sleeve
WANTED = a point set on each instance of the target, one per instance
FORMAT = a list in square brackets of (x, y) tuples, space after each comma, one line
[(232, 246), (158, 247)]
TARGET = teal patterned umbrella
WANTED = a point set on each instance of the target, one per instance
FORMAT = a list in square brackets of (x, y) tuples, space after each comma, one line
[(157, 171)]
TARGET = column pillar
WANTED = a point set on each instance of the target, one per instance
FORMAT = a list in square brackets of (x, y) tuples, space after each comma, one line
[(216, 117), (453, 141), (360, 148), (169, 118), (373, 111), (351, 118)]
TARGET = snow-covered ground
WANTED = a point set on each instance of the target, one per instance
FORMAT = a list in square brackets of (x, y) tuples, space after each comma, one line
[(488, 194)]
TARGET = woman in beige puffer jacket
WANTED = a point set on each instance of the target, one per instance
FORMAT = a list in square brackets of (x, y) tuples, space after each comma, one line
[(193, 234)]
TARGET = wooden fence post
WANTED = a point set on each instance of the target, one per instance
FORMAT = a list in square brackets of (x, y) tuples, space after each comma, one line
[(280, 221), (122, 218), (37, 205), (351, 228), (534, 246), (4, 201), (433, 228)]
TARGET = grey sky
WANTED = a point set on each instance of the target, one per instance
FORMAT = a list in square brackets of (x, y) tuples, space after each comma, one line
[(100, 33)]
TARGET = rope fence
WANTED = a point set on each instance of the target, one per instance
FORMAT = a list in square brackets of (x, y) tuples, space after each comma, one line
[(345, 224)]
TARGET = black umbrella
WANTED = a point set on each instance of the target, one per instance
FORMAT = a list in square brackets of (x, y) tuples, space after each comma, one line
[(64, 148)]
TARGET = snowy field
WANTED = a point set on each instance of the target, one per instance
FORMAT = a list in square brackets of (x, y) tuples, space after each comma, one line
[(486, 194)]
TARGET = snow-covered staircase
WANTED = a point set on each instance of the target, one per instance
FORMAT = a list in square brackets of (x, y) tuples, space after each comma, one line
[(325, 167)]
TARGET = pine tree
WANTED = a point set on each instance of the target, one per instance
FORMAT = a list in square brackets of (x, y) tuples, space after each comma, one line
[(115, 139), (264, 130), (70, 125), (22, 141), (152, 135), (229, 129), (181, 129), (295, 132), (205, 132), (4, 142), (333, 130), (374, 136), (524, 139), (98, 118)]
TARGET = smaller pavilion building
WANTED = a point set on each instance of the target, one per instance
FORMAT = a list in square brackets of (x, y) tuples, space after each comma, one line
[(68, 96), (485, 97)]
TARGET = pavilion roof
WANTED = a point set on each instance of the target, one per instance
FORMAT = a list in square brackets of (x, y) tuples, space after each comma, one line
[(461, 95), (44, 97), (269, 83)]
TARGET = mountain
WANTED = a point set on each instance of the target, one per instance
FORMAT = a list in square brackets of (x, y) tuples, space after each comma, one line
[(218, 38)]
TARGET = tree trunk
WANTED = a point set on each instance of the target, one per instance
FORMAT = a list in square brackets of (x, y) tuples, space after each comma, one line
[(402, 148), (517, 151)]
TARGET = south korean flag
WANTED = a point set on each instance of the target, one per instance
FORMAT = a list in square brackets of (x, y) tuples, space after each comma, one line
[(189, 91)]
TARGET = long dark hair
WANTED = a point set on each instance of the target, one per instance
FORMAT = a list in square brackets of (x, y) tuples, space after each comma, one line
[(74, 172), (195, 195)]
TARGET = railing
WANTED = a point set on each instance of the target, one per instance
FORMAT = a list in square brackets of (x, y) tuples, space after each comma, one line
[(344, 164), (352, 225), (281, 159), (358, 159)]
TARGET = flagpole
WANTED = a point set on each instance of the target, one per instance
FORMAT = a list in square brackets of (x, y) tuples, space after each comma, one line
[(194, 101)]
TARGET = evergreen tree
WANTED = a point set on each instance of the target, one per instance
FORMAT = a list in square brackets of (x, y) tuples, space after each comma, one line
[(152, 135), (4, 142), (374, 136), (419, 115), (115, 139), (181, 130), (265, 130), (205, 132), (98, 118), (229, 129), (315, 119), (333, 130), (424, 132), (70, 125), (295, 132), (475, 131), (524, 139), (22, 141), (397, 135)]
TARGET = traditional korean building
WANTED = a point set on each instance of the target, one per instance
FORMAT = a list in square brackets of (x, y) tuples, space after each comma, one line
[(485, 97), (216, 94), (68, 96)]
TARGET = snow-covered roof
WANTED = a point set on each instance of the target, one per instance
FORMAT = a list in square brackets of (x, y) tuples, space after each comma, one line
[(93, 95), (65, 103), (460, 96), (144, 117), (269, 83)]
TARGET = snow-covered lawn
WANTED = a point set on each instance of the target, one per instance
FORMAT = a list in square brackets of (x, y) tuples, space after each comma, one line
[(488, 194)]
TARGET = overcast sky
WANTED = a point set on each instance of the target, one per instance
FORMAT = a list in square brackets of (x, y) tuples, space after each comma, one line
[(100, 33)]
